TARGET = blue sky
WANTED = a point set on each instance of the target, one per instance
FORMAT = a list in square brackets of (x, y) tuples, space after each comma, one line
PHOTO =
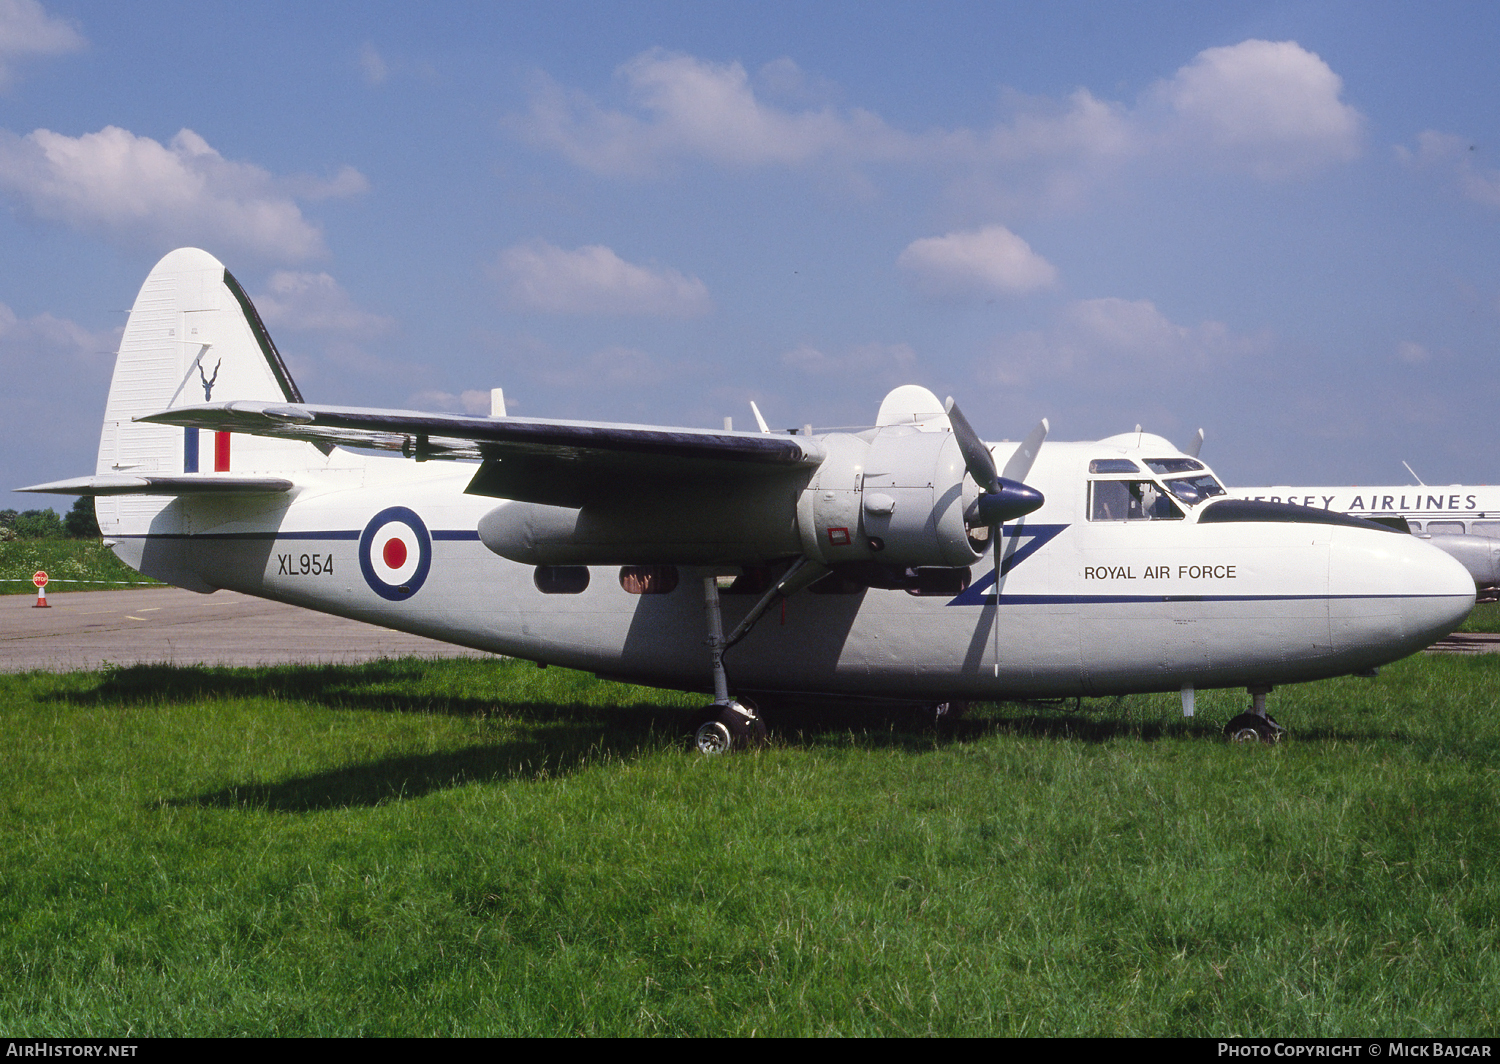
[(1276, 221)]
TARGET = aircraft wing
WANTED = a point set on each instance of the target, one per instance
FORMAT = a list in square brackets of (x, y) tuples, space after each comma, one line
[(561, 463)]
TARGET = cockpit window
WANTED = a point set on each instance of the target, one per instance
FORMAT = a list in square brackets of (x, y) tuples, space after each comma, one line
[(1113, 465), (1193, 490), (1173, 465), (1130, 500)]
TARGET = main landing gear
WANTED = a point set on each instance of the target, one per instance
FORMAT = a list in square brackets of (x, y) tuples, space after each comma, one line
[(733, 723), (728, 723), (1256, 725)]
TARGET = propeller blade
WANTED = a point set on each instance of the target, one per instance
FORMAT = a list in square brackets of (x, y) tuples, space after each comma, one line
[(1020, 462), (1194, 446), (977, 458)]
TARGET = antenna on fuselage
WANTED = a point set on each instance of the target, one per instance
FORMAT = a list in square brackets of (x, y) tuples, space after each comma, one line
[(1413, 472)]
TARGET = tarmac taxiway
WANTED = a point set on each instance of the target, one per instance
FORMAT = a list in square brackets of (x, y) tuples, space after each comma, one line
[(89, 629)]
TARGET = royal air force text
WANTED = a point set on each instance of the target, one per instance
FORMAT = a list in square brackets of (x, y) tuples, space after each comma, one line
[(1160, 572)]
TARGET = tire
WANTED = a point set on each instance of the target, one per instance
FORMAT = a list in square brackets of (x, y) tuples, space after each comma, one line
[(1250, 728), (724, 729)]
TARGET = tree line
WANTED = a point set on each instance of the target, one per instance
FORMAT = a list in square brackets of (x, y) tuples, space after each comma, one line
[(80, 523)]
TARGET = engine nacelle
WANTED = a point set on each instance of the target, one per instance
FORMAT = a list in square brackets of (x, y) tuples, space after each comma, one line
[(700, 523), (897, 499)]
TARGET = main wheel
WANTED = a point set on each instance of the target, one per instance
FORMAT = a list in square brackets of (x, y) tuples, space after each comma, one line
[(713, 737), (721, 729), (1252, 728)]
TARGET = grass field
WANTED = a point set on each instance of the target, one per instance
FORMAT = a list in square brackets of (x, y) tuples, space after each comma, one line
[(471, 848), (70, 565)]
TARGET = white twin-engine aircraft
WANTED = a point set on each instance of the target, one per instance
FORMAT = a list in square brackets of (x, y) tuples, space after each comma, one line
[(908, 562)]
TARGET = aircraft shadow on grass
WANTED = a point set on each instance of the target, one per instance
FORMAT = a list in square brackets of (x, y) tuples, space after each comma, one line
[(561, 737)]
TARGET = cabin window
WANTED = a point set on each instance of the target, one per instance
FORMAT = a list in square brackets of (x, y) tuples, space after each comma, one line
[(1165, 466), (649, 579), (1485, 528), (1445, 528), (1130, 500), (1193, 490), (561, 579), (1113, 465)]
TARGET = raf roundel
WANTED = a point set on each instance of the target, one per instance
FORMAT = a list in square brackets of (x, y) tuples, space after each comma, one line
[(395, 552)]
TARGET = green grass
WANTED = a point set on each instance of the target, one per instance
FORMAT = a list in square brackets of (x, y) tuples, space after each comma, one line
[(483, 848), (70, 565), (1484, 618)]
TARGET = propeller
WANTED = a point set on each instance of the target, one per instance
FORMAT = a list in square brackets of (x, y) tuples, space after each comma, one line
[(1001, 498)]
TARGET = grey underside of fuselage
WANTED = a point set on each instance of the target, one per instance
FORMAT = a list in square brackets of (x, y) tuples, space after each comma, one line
[(875, 643)]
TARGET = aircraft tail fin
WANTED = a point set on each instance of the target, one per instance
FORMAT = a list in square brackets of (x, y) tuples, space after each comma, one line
[(193, 336)]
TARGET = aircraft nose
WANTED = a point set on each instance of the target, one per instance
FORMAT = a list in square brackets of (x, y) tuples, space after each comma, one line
[(1395, 591)]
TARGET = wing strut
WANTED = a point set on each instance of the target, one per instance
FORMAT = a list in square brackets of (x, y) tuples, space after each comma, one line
[(802, 572)]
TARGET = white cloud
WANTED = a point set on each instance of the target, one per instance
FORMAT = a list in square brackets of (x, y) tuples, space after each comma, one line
[(594, 280), (614, 369), (473, 401), (56, 375), (981, 262), (1454, 155), (1270, 106), (34, 345), (689, 108), (1105, 341), (315, 302), (136, 189), (891, 363), (1413, 354), (372, 65), (27, 30)]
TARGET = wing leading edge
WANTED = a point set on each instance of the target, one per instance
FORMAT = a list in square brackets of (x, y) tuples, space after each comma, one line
[(560, 463)]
